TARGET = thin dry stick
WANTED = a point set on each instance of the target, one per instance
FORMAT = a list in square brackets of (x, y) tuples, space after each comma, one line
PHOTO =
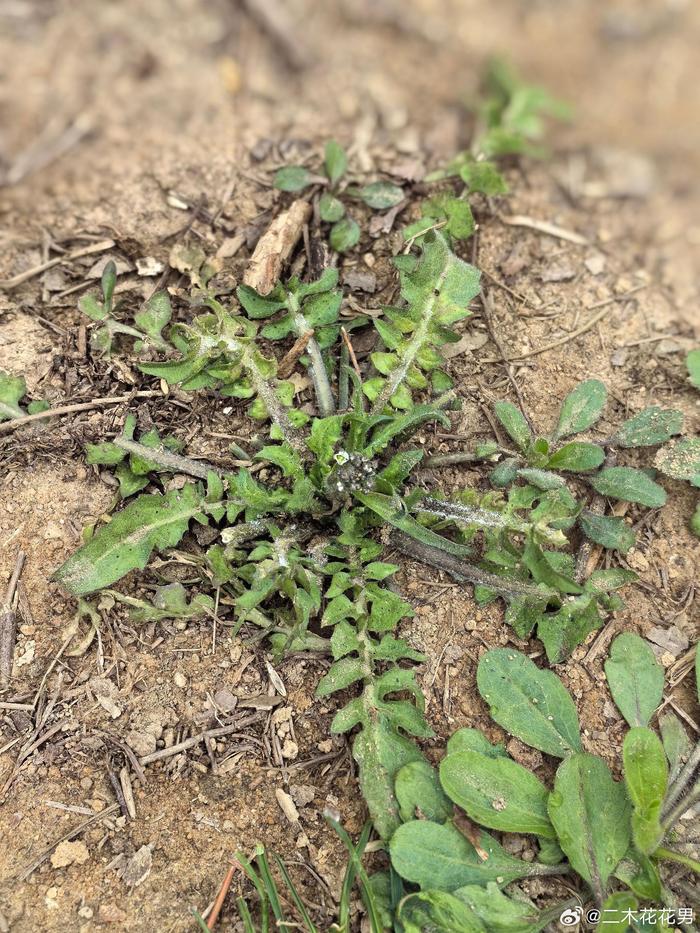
[(289, 360), (100, 247), (8, 426), (8, 623), (351, 351), (221, 896), (543, 226), (196, 739)]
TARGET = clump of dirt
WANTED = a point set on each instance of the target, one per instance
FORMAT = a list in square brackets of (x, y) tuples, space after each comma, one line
[(186, 110)]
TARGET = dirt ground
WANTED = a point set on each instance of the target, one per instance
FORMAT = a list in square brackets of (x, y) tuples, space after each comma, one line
[(167, 107)]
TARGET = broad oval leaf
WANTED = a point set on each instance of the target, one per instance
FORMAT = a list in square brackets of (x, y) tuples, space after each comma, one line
[(330, 208), (582, 407), (611, 532), (381, 195), (635, 678), (126, 543), (503, 914), (681, 460), (577, 456), (497, 793), (591, 815), (630, 485), (344, 235), (531, 703), (336, 161), (652, 426), (433, 855), (471, 740), (292, 178)]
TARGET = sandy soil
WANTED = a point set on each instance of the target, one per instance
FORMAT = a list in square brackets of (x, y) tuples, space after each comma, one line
[(190, 103)]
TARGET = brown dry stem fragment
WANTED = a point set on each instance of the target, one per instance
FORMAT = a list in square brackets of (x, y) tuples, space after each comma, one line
[(275, 246)]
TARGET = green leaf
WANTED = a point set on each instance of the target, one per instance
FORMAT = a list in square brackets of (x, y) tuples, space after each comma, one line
[(617, 910), (381, 195), (12, 388), (652, 426), (106, 453), (380, 752), (515, 424), (292, 178), (438, 912), (154, 316), (692, 361), (610, 532), (531, 703), (330, 208), (325, 434), (484, 178), (635, 678), (681, 460), (497, 793), (420, 795), (603, 581), (582, 407), (577, 456), (675, 741), (344, 235), (336, 161), (389, 509), (404, 426), (646, 778), (341, 675), (438, 856), (542, 479), (150, 522), (502, 914), (92, 307), (630, 485), (256, 306), (471, 740), (284, 457), (109, 282), (591, 815)]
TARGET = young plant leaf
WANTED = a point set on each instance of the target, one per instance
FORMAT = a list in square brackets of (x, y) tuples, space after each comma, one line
[(438, 912), (675, 741), (635, 678), (292, 178), (692, 361), (148, 523), (515, 424), (646, 778), (471, 740), (630, 485), (381, 195), (591, 815), (12, 388), (610, 532), (652, 426), (681, 460), (344, 235), (576, 457), (528, 702), (330, 208), (438, 856), (497, 793), (503, 914), (582, 407), (336, 162)]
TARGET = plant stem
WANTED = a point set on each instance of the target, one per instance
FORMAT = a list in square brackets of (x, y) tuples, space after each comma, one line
[(671, 855), (682, 806), (322, 387), (679, 786), (463, 572), (167, 459)]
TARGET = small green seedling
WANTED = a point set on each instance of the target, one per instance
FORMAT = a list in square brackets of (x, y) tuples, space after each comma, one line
[(345, 231), (12, 391)]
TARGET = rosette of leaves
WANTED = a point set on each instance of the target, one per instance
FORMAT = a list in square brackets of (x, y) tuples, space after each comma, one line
[(344, 231), (609, 832), (302, 309), (218, 350), (546, 461), (12, 390), (436, 288), (149, 321)]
